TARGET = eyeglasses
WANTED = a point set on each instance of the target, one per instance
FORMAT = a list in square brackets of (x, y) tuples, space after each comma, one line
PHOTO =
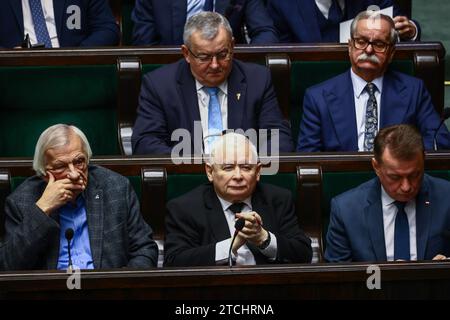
[(78, 163), (378, 46), (223, 55)]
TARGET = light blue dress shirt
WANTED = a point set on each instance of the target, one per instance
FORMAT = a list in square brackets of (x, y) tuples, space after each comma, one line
[(74, 216)]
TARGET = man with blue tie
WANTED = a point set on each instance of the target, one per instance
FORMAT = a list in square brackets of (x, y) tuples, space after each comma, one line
[(318, 20), (345, 112), (98, 205), (402, 214), (205, 93), (161, 22), (57, 23)]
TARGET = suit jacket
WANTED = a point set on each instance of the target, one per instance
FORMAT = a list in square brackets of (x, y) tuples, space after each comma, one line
[(329, 117), (195, 223), (119, 237), (168, 101), (296, 20), (98, 27), (356, 229), (162, 22)]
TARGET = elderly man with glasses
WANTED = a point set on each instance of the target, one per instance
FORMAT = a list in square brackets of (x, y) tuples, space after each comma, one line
[(206, 93), (71, 206), (345, 113)]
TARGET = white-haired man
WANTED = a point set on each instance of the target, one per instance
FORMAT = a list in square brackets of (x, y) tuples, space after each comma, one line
[(99, 205), (200, 223)]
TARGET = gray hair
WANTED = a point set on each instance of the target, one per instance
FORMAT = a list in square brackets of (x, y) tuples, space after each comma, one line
[(54, 137), (208, 24), (231, 141), (373, 14)]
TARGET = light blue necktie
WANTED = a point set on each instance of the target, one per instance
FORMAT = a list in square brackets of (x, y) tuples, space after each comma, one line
[(193, 7), (401, 233), (371, 128), (40, 28), (214, 115)]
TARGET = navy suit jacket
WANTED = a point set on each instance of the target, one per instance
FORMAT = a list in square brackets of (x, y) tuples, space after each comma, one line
[(119, 236), (329, 117), (162, 21), (168, 101), (296, 20), (195, 222), (356, 229), (98, 27)]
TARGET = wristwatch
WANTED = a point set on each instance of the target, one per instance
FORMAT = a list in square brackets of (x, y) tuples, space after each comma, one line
[(265, 243)]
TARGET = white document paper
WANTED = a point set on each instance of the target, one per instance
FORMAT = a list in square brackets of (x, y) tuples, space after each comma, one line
[(344, 27)]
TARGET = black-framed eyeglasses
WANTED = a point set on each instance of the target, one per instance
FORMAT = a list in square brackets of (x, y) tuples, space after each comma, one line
[(223, 55), (378, 46)]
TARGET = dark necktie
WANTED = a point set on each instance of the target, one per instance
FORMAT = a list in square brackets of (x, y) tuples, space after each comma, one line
[(209, 5), (335, 13), (401, 234), (236, 207), (371, 120), (40, 28)]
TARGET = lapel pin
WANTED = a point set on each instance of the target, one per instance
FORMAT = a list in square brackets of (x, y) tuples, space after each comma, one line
[(238, 96), (427, 203), (97, 196)]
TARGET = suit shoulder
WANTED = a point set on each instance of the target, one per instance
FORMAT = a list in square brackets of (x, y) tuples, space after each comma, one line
[(31, 185), (189, 197), (163, 71), (403, 77), (357, 193), (439, 184), (339, 79), (251, 69), (274, 191), (104, 176)]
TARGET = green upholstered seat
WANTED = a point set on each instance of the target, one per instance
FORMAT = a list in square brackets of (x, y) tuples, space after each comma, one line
[(36, 97)]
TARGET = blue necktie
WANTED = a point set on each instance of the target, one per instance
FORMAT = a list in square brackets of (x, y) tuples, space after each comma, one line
[(40, 28), (401, 234), (335, 13), (214, 115), (371, 128), (209, 5)]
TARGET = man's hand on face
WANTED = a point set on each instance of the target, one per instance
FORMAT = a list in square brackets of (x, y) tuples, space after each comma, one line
[(59, 192)]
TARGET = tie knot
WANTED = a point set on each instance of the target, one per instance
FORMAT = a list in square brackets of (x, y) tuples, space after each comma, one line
[(236, 207), (400, 205), (370, 88), (212, 91)]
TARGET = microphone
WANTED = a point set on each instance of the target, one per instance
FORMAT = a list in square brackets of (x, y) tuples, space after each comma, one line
[(239, 225), (69, 236), (445, 116)]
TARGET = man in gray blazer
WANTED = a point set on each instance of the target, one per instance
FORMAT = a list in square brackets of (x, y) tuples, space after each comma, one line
[(96, 206)]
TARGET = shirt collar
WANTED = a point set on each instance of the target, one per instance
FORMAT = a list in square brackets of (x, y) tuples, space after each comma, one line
[(359, 83), (387, 201), (226, 204), (223, 87)]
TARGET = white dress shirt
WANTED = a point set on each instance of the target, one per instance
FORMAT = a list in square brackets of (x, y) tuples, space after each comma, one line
[(49, 15), (244, 255), (324, 6), (389, 214), (361, 97), (203, 104)]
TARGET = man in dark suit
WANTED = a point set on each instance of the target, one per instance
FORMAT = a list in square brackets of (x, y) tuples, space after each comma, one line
[(206, 92), (76, 23), (199, 224), (99, 205), (318, 20), (162, 22), (402, 214), (345, 112)]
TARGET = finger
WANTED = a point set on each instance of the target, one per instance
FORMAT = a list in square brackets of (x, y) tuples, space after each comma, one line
[(50, 176)]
